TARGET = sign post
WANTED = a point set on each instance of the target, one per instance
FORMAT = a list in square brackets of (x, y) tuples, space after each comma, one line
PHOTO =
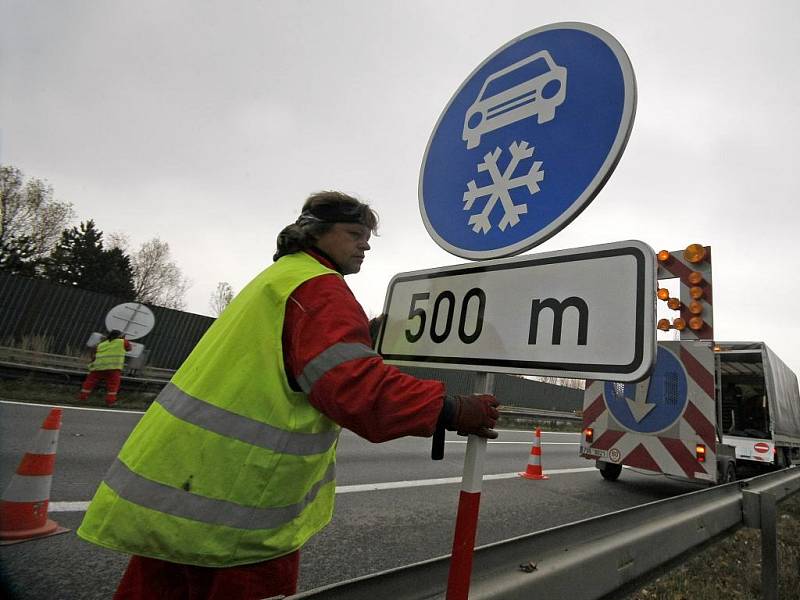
[(523, 146), (586, 313), (469, 501)]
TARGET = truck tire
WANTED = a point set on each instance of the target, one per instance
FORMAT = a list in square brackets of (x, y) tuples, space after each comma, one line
[(609, 471), (730, 473), (783, 458)]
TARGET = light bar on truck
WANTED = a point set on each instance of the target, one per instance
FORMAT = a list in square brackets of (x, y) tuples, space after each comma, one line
[(694, 302)]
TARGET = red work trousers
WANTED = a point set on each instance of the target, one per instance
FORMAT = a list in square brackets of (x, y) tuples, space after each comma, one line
[(149, 578), (111, 377)]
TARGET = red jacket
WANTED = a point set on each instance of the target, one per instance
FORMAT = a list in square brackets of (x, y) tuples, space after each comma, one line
[(365, 395)]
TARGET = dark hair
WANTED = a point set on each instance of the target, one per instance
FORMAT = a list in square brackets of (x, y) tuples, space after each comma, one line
[(114, 334), (320, 212)]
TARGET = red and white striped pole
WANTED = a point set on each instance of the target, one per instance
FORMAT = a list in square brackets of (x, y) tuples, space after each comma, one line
[(23, 507), (469, 502)]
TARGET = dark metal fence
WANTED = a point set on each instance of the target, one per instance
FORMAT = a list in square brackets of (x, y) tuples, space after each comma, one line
[(63, 318), (516, 391)]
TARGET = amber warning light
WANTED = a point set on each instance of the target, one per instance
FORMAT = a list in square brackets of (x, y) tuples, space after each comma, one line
[(693, 253)]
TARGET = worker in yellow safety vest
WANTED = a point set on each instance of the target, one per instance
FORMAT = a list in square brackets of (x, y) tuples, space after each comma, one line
[(107, 362), (232, 468)]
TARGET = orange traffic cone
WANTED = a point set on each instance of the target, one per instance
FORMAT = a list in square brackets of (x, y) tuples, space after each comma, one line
[(23, 507), (534, 470)]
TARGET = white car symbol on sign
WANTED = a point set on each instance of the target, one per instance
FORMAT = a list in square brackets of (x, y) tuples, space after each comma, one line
[(535, 85)]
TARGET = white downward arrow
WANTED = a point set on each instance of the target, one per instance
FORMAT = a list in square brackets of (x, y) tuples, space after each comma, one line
[(639, 407)]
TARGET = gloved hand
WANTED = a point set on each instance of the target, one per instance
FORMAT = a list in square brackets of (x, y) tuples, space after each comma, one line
[(476, 414), (375, 327)]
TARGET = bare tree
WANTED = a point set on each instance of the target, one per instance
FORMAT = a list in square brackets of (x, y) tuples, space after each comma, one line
[(29, 215), (118, 239), (156, 278), (221, 297)]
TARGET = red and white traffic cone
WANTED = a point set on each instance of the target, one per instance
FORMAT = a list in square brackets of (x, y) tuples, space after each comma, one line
[(23, 507), (534, 470)]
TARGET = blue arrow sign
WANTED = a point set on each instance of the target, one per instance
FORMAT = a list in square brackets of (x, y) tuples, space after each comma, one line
[(656, 403), (527, 141)]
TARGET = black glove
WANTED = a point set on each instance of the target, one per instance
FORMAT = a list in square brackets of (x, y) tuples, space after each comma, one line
[(375, 327), (476, 414)]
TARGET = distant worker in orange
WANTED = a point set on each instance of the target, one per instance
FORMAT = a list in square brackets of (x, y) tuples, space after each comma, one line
[(107, 362)]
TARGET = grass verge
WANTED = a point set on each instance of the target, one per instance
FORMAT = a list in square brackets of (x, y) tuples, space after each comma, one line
[(730, 569)]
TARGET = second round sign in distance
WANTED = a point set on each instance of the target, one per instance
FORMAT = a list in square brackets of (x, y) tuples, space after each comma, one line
[(133, 319), (527, 141)]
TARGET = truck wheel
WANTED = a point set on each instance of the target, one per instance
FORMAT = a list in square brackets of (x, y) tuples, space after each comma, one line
[(609, 471), (730, 473)]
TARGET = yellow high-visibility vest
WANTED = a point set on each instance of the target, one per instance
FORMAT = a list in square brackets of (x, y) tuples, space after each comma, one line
[(109, 354), (229, 465)]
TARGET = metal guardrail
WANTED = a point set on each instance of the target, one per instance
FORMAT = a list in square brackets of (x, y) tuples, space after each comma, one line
[(72, 365), (615, 549)]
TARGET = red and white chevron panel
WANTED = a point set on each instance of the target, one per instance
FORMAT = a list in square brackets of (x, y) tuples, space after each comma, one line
[(671, 451), (676, 266)]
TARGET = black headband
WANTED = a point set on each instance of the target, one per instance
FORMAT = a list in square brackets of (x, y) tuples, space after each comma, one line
[(337, 212)]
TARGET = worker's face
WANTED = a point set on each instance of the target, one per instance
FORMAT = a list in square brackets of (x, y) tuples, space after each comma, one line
[(346, 244)]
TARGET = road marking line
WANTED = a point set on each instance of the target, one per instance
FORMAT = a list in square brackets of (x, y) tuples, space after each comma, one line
[(73, 407), (390, 485), (366, 487), (528, 443)]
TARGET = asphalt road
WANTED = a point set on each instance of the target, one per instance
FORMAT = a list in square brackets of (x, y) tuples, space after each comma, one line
[(394, 505)]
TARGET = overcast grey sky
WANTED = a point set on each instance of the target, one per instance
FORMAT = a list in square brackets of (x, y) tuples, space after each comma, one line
[(207, 124)]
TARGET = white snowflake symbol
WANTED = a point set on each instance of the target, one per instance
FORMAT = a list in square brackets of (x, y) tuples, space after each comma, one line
[(501, 186)]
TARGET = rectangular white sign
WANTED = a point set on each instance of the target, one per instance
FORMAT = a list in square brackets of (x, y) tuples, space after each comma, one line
[(586, 313)]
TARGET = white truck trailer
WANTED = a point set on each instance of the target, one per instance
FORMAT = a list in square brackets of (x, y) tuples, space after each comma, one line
[(709, 412)]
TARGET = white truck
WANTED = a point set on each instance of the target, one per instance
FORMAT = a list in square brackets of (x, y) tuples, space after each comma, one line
[(709, 412)]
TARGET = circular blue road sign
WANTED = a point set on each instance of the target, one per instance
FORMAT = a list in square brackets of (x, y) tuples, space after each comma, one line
[(655, 404), (527, 141)]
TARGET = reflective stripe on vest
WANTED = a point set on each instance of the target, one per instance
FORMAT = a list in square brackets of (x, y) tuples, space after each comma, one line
[(109, 355), (221, 421), (330, 358), (177, 502)]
